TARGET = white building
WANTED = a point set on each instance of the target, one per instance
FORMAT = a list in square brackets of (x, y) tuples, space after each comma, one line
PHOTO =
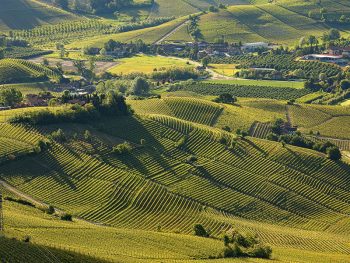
[(251, 47)]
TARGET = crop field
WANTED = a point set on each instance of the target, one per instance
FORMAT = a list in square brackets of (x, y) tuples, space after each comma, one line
[(283, 63), (29, 14), (64, 241), (267, 83), (182, 7), (224, 69), (29, 88), (251, 91), (17, 71), (148, 35), (329, 121), (145, 64), (282, 22), (283, 194)]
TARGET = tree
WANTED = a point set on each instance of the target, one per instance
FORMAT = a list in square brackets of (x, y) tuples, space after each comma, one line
[(87, 135), (139, 86), (10, 97), (226, 98), (2, 53), (200, 231), (334, 34), (312, 40), (205, 62), (334, 153), (61, 3), (344, 84), (302, 42)]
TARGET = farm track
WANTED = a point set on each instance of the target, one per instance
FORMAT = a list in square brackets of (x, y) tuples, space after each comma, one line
[(173, 31), (35, 201)]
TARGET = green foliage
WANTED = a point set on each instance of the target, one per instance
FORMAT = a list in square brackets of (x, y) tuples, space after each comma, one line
[(226, 98), (10, 97), (58, 136), (246, 90), (200, 231), (140, 86), (238, 245), (17, 70), (66, 217), (123, 148), (334, 153), (176, 74)]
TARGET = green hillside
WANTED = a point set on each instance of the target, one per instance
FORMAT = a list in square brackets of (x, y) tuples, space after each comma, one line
[(282, 22), (231, 183), (17, 70), (53, 240), (26, 14)]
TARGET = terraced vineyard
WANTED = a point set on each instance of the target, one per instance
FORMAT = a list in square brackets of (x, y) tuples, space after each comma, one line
[(17, 70), (287, 190), (282, 22), (329, 121), (28, 14), (260, 130)]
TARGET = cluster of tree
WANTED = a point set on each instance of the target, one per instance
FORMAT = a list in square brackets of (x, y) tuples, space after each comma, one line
[(107, 6), (109, 104), (122, 148), (226, 98), (193, 27), (174, 73), (10, 97), (237, 244), (278, 134)]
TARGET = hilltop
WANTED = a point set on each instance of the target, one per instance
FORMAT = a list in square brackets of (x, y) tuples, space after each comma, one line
[(27, 14)]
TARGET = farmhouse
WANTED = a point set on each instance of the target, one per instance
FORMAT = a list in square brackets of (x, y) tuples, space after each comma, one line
[(336, 59), (339, 51)]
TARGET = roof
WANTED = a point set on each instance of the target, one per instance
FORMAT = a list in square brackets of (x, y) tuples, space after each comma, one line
[(255, 44), (325, 56)]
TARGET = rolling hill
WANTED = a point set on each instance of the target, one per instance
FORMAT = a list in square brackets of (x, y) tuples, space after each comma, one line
[(27, 14), (18, 70), (284, 194)]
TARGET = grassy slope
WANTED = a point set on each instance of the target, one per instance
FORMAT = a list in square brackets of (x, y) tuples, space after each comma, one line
[(154, 186), (148, 35), (145, 64), (81, 238), (269, 83), (284, 22), (184, 7), (26, 14)]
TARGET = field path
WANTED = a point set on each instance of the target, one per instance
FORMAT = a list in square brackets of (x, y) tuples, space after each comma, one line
[(214, 75), (35, 201), (173, 31)]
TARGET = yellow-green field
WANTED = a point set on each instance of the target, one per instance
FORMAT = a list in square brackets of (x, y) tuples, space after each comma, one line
[(224, 69), (268, 83), (145, 64), (148, 35)]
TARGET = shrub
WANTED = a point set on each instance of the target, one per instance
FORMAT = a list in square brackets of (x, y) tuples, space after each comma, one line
[(260, 251), (191, 159), (334, 153), (180, 143), (67, 217), (200, 231), (50, 210), (26, 239), (122, 148), (58, 136), (226, 98), (87, 135)]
